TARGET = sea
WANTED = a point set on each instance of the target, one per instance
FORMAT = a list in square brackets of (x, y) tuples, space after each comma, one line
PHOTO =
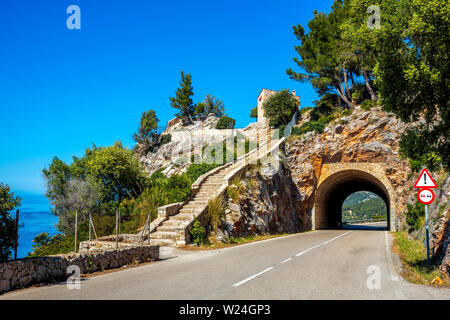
[(35, 217)]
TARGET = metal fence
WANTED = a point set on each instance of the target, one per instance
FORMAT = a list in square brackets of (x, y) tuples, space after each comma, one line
[(28, 225)]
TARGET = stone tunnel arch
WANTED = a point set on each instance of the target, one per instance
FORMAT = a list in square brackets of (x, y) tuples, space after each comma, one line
[(338, 181)]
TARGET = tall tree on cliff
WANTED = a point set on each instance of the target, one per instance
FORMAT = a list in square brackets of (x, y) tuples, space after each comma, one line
[(325, 57), (411, 74), (183, 98), (147, 132)]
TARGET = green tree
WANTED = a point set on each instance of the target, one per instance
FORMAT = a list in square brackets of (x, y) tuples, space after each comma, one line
[(114, 171), (8, 202), (146, 135), (183, 98), (412, 68), (254, 112), (280, 108), (213, 105), (225, 123), (327, 60)]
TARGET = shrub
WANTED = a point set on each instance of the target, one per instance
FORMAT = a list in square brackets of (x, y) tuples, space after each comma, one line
[(178, 188), (216, 211), (312, 126), (327, 119), (305, 109), (415, 216), (8, 202), (165, 138), (196, 170), (198, 233), (368, 104), (347, 112), (226, 123)]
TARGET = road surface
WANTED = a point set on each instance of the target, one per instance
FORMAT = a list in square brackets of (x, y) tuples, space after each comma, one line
[(327, 264)]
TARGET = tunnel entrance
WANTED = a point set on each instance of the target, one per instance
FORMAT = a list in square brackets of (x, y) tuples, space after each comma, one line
[(333, 191), (364, 209)]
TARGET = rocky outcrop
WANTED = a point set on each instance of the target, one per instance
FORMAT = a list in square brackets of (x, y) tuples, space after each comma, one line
[(187, 141), (362, 137), (265, 201)]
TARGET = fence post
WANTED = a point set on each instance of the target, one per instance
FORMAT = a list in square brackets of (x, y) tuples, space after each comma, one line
[(149, 224), (90, 225), (117, 230), (16, 244), (76, 230)]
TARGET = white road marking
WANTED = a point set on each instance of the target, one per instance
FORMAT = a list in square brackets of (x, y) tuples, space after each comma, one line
[(252, 277), (388, 255), (288, 259), (284, 261)]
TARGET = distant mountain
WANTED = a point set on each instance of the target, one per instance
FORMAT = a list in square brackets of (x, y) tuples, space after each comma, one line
[(363, 205)]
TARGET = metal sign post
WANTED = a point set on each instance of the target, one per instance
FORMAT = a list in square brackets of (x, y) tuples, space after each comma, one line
[(426, 232), (426, 196)]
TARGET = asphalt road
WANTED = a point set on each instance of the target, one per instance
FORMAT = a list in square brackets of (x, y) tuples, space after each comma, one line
[(328, 264)]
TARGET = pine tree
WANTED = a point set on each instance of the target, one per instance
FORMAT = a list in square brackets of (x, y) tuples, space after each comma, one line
[(183, 98)]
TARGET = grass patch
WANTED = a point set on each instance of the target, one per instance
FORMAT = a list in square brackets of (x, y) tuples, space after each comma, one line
[(414, 258)]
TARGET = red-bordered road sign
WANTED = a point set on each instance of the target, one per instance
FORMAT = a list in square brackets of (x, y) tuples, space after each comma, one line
[(425, 180), (425, 196)]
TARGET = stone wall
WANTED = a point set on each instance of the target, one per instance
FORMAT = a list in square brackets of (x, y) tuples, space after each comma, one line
[(25, 272)]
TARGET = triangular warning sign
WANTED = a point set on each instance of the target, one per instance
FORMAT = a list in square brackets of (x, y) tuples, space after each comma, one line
[(425, 180)]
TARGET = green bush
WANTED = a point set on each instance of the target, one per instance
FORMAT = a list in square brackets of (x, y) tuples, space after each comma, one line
[(347, 112), (8, 202), (415, 216), (327, 119), (312, 126), (216, 211), (198, 233), (178, 188), (165, 138), (44, 245), (196, 170), (226, 123), (368, 104)]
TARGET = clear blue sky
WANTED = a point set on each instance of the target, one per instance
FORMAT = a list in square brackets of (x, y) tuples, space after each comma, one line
[(62, 90)]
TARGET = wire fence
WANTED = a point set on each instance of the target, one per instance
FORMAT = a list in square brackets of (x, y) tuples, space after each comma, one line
[(36, 233)]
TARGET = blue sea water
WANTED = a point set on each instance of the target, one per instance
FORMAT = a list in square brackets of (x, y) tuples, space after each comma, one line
[(35, 217)]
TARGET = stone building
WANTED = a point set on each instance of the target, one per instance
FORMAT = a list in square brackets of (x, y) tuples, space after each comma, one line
[(263, 96)]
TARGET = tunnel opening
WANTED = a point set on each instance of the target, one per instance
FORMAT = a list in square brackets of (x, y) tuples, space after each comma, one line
[(364, 210), (336, 188)]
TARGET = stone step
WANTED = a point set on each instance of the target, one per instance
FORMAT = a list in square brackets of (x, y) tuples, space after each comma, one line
[(172, 223), (181, 217), (189, 211), (163, 242), (167, 228), (194, 206), (163, 235)]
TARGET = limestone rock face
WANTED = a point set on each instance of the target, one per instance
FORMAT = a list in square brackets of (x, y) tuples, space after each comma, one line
[(266, 204), (175, 156), (363, 137)]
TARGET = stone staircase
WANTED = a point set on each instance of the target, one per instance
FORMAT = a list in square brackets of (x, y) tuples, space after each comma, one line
[(167, 233)]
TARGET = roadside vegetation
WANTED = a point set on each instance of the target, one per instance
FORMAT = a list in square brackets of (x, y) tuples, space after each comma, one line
[(414, 259), (233, 242)]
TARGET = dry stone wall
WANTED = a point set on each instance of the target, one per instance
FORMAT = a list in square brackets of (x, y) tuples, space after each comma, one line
[(26, 272)]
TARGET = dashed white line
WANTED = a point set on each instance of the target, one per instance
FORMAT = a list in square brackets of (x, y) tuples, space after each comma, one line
[(252, 277), (288, 259)]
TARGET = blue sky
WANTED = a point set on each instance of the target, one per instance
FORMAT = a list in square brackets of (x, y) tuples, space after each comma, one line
[(62, 90)]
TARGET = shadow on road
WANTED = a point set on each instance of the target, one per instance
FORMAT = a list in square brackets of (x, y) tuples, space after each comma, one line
[(367, 227)]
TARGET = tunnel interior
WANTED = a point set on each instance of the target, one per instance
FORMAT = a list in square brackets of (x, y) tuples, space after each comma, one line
[(336, 188)]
